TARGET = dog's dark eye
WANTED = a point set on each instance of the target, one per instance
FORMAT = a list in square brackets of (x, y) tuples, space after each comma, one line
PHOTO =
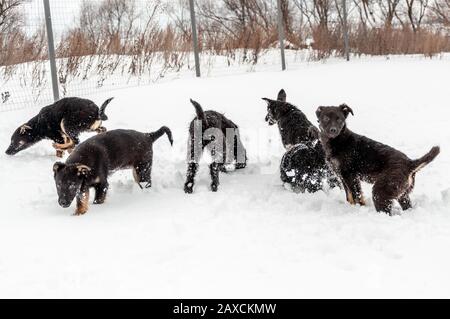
[(326, 119)]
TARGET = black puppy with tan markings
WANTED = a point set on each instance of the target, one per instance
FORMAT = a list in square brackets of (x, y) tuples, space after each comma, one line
[(356, 158), (61, 122), (91, 163)]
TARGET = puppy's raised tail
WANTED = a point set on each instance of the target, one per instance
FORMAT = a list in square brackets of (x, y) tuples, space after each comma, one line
[(417, 165), (163, 130), (102, 116), (200, 113)]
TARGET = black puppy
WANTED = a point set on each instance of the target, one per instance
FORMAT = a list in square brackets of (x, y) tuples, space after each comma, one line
[(91, 163), (292, 123), (356, 158), (61, 122), (220, 136), (305, 169)]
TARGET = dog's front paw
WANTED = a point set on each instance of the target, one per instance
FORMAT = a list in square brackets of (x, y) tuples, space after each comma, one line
[(59, 153), (80, 212)]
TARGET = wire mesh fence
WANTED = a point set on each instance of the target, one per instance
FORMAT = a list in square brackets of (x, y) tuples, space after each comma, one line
[(102, 45)]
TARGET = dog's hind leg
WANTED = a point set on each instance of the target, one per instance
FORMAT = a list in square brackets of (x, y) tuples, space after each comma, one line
[(143, 173), (385, 191), (214, 170), (190, 178), (195, 152)]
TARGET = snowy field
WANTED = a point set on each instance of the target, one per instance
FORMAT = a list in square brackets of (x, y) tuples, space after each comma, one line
[(253, 238)]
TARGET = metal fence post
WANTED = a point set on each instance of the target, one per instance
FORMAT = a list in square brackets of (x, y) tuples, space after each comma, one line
[(195, 38), (51, 49), (345, 29), (281, 35)]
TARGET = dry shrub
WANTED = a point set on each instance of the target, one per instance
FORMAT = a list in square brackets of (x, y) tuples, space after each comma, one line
[(384, 41)]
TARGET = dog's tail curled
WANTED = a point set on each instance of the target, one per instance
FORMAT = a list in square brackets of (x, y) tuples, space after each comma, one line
[(163, 130), (101, 114), (417, 165), (200, 113)]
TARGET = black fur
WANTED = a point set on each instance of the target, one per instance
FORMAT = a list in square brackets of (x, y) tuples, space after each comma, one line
[(92, 161), (292, 123), (233, 152), (305, 169), (61, 122), (356, 158)]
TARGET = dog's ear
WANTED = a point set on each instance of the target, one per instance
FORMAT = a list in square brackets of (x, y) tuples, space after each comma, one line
[(282, 96), (83, 170), (267, 100), (319, 111), (346, 110), (58, 166), (24, 128)]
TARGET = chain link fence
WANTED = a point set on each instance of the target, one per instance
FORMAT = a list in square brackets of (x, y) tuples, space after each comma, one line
[(103, 45)]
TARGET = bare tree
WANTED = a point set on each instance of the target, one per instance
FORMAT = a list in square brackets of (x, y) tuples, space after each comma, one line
[(10, 16), (441, 11), (416, 11)]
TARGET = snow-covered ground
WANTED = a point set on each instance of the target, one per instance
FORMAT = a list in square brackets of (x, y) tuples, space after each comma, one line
[(253, 238)]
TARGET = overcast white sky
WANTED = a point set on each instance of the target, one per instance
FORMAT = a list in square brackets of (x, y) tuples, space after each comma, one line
[(63, 13)]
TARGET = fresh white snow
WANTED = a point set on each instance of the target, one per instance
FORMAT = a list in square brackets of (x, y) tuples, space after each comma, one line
[(253, 238)]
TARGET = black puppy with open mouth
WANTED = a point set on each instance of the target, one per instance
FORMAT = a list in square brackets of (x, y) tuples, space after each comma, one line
[(61, 122), (91, 163)]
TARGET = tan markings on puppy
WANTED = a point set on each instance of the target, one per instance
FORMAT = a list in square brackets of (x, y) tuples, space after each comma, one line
[(350, 198), (362, 201), (82, 203), (101, 129), (83, 169), (68, 143), (97, 124), (97, 180), (420, 168), (136, 176), (24, 128)]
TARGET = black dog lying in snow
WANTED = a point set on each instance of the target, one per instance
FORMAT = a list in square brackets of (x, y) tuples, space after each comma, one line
[(91, 163), (356, 158), (305, 169), (303, 166), (292, 123), (220, 136), (61, 122)]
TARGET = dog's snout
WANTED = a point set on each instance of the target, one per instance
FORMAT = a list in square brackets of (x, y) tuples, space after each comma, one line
[(63, 203), (10, 151), (333, 130)]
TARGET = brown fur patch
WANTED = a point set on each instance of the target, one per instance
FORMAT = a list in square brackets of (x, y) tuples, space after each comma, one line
[(82, 203), (350, 198), (136, 176), (97, 124)]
